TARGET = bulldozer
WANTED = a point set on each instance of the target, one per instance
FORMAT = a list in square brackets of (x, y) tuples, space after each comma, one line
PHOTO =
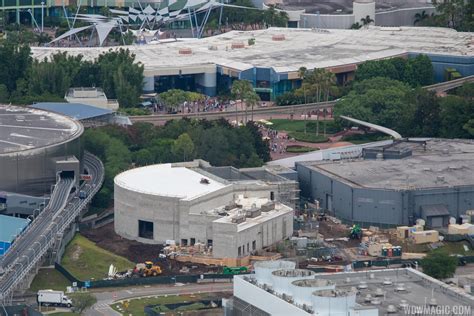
[(147, 269), (356, 232)]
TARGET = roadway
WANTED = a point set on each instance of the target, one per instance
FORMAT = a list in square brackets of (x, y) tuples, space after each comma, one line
[(159, 119), (105, 299), (47, 228)]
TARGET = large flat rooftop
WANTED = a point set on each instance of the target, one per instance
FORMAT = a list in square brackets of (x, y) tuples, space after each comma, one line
[(301, 47), (393, 288), (23, 129), (167, 180), (442, 163)]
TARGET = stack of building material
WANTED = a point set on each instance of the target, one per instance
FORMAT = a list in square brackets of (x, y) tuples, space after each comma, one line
[(463, 229), (406, 231), (424, 237)]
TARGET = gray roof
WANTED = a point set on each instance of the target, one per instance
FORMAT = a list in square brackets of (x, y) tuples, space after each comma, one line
[(23, 129), (301, 47), (444, 163), (10, 227), (434, 210), (77, 111)]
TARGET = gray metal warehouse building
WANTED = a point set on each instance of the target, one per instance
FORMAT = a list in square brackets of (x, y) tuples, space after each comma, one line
[(397, 184)]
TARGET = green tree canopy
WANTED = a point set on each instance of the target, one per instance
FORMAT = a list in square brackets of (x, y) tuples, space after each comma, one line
[(439, 265), (379, 101), (184, 147)]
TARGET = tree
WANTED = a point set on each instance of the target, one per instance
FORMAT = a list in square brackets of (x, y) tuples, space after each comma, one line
[(466, 91), (427, 113), (120, 76), (420, 17), (455, 114), (144, 157), (355, 26), (419, 71), (81, 301), (173, 98), (457, 14), (4, 95), (367, 20), (439, 265), (469, 127), (378, 100), (243, 91), (183, 146)]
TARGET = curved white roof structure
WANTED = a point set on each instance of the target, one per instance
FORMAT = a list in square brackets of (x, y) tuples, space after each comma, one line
[(166, 180), (376, 127)]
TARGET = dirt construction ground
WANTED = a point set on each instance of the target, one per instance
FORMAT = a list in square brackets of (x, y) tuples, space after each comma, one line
[(105, 237)]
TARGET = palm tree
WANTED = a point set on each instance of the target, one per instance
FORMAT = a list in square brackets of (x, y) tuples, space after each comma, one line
[(367, 20), (420, 17), (243, 90), (356, 26), (302, 74)]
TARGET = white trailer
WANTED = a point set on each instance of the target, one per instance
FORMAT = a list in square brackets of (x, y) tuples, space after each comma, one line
[(53, 298)]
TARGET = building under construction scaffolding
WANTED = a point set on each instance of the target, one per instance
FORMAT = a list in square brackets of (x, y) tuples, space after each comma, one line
[(224, 212)]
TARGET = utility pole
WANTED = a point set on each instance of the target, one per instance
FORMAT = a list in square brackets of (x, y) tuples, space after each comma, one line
[(42, 16)]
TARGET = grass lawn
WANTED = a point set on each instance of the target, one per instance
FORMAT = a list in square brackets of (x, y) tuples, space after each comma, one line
[(298, 126), (49, 279), (136, 306), (458, 248), (308, 137), (86, 261), (299, 149)]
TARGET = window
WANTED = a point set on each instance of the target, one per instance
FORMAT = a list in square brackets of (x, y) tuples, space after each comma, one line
[(254, 245), (184, 242), (248, 247), (145, 229), (209, 242), (193, 241), (239, 251), (272, 195)]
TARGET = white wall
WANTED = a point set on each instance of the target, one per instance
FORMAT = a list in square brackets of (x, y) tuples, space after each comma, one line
[(263, 300)]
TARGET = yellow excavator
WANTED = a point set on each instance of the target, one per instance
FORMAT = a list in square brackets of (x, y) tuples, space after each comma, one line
[(147, 269)]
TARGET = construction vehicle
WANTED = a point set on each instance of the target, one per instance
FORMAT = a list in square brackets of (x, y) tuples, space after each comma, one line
[(356, 232), (235, 270), (147, 269)]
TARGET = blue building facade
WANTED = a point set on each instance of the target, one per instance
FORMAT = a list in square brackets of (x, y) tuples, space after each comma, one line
[(10, 228)]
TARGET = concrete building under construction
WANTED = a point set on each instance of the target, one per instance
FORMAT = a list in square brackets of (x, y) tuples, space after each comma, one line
[(234, 212)]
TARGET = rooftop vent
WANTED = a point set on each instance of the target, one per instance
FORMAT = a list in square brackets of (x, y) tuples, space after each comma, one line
[(204, 181), (237, 45), (278, 37), (253, 212), (230, 206), (391, 309), (379, 292), (267, 207), (400, 288), (403, 304), (185, 51), (387, 281), (213, 47), (368, 298), (376, 301), (362, 285), (440, 179), (433, 302), (238, 219)]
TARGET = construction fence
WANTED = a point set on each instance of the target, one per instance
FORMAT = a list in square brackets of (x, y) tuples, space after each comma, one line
[(192, 278)]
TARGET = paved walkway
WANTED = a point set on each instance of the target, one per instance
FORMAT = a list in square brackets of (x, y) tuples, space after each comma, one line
[(106, 298)]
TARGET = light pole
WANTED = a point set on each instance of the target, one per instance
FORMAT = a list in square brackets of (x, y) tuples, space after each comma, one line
[(42, 16)]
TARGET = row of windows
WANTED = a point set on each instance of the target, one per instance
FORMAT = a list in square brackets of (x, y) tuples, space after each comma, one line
[(241, 249)]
